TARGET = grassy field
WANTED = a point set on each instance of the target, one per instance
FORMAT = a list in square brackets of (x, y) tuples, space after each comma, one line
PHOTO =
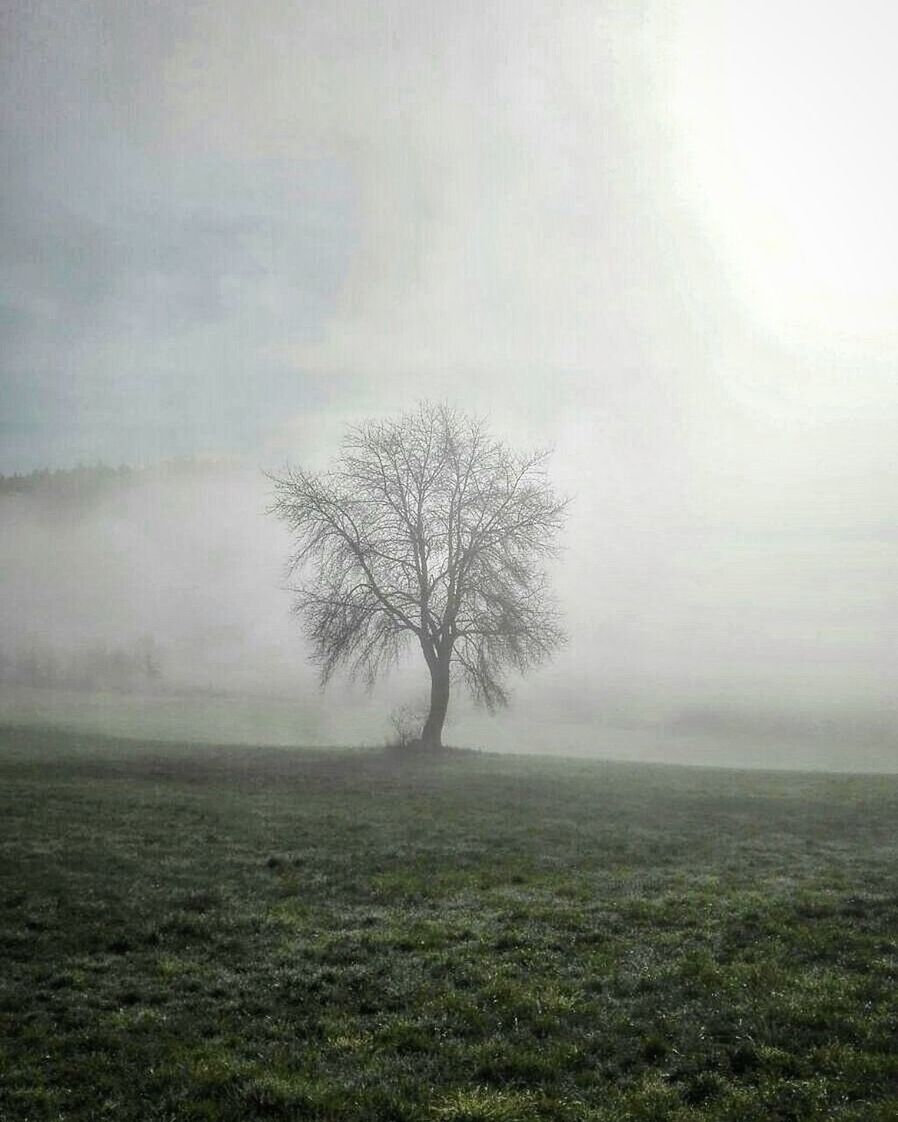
[(189, 717), (236, 933)]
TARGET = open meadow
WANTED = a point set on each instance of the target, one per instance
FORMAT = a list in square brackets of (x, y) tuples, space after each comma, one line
[(201, 932)]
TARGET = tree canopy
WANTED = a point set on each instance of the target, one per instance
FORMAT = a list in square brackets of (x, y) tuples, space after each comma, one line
[(429, 530)]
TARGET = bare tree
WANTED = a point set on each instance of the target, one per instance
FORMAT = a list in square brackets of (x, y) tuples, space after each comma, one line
[(428, 530)]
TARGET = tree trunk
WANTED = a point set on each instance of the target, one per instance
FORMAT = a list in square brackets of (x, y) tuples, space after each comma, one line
[(432, 733)]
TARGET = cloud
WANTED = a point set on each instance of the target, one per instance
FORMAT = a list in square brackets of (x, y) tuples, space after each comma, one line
[(496, 250), (148, 297)]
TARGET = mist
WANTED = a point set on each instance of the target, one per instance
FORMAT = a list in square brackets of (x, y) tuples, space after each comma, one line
[(155, 602), (647, 235)]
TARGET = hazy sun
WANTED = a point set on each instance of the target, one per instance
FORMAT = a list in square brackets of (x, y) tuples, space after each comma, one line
[(788, 116)]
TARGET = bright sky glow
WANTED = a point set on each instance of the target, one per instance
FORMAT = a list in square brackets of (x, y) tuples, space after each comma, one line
[(786, 115)]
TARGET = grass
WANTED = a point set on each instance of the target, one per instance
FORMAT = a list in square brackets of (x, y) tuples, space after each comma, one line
[(225, 933), (224, 718)]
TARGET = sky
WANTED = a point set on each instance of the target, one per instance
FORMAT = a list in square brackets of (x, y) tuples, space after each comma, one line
[(220, 222), (658, 236)]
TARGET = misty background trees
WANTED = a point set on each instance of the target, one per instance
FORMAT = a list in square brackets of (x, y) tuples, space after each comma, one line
[(427, 530), (132, 665)]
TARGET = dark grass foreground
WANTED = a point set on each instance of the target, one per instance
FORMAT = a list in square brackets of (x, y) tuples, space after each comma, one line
[(212, 933)]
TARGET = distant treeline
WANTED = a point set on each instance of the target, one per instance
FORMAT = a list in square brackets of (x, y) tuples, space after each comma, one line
[(88, 481), (136, 665), (66, 483)]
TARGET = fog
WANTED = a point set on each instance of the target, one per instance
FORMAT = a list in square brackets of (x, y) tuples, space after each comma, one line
[(656, 236), (697, 653)]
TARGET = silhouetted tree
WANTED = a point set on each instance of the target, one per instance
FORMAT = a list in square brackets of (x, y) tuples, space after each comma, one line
[(429, 530)]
